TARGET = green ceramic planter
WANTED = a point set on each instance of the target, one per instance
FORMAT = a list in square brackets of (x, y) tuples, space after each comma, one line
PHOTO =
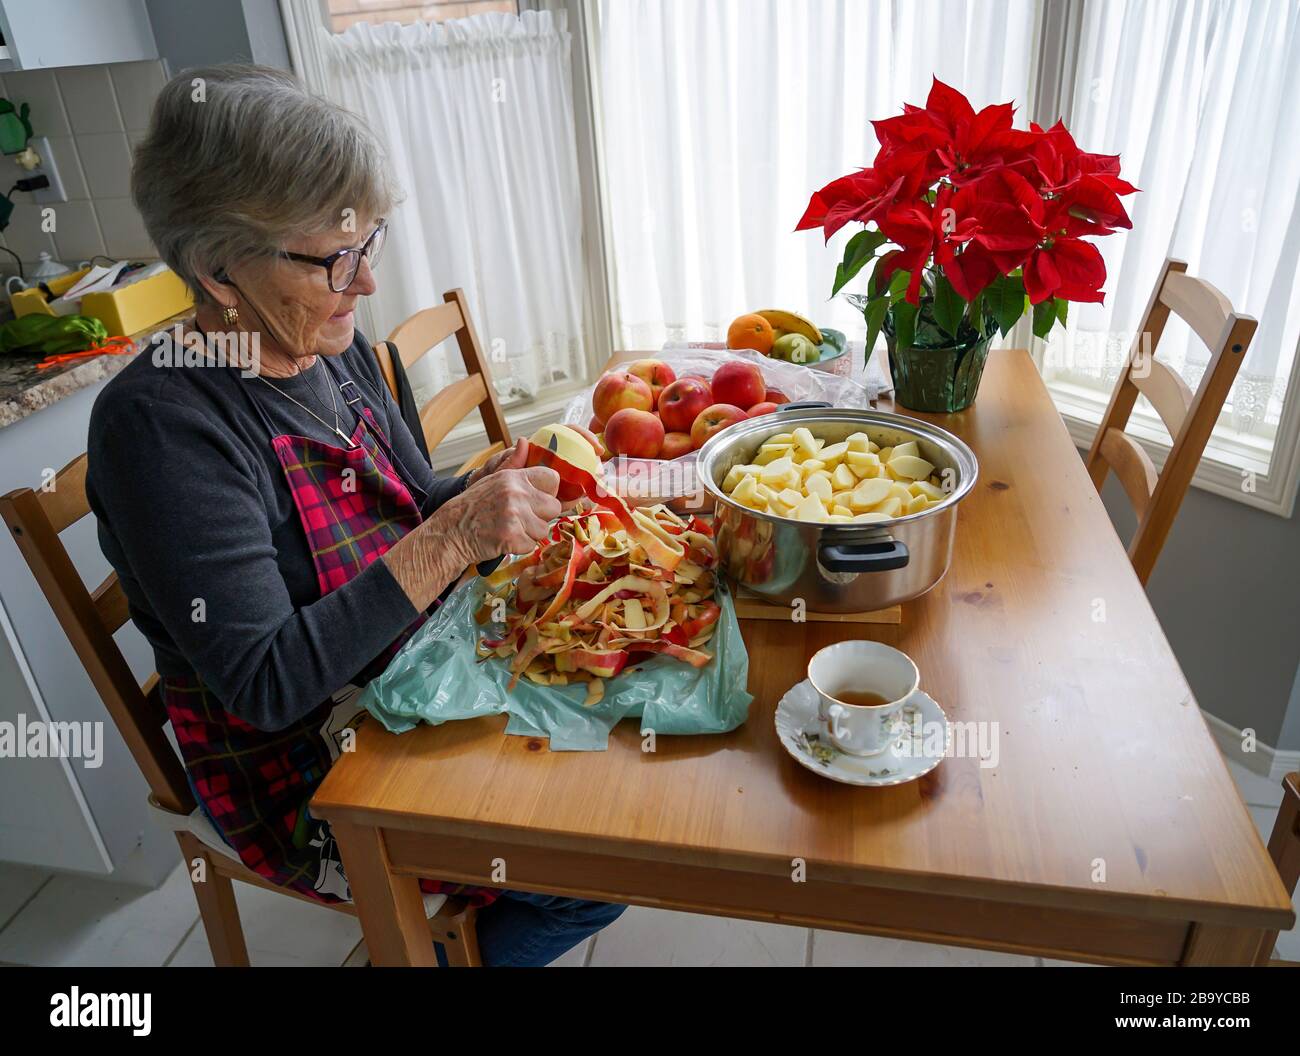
[(936, 372)]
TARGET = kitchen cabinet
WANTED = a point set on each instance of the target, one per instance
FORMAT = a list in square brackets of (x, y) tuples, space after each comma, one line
[(38, 34)]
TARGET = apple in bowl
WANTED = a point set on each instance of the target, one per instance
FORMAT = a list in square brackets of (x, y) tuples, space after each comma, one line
[(681, 403), (655, 373), (620, 390), (712, 420), (635, 433)]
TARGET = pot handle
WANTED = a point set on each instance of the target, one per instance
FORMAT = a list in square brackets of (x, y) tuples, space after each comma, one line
[(880, 555), (800, 404)]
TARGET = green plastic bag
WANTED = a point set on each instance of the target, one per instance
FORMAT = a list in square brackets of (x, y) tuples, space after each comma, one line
[(437, 677)]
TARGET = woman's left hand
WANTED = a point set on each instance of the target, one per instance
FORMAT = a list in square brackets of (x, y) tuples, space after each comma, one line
[(512, 458)]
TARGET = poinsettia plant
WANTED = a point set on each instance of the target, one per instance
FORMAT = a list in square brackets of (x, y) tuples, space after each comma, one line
[(978, 221)]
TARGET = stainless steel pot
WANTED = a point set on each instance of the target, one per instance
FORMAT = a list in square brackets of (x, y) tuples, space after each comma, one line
[(836, 567)]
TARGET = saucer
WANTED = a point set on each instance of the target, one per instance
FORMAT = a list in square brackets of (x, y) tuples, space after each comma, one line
[(803, 735)]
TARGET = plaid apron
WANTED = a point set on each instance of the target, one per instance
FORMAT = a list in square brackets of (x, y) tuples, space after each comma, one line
[(256, 785)]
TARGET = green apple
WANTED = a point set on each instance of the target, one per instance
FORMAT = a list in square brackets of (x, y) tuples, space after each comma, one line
[(794, 348)]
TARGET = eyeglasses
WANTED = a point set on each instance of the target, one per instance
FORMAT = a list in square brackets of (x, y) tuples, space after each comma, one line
[(341, 266)]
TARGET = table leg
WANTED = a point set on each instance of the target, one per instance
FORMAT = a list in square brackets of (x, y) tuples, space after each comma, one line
[(390, 907), (1217, 944)]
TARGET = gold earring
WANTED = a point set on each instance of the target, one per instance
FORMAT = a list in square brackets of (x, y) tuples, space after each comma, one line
[(230, 316)]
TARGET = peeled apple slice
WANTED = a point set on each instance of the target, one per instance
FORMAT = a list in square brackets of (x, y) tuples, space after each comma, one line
[(870, 492), (910, 467)]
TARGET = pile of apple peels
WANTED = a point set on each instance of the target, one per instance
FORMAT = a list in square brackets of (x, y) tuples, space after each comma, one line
[(610, 585)]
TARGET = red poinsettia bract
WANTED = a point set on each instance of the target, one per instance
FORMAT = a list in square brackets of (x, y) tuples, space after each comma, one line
[(964, 194)]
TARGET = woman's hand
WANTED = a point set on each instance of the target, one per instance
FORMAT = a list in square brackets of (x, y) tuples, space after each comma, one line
[(511, 458), (504, 512)]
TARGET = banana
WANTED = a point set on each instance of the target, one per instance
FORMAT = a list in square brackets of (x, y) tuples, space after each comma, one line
[(792, 323)]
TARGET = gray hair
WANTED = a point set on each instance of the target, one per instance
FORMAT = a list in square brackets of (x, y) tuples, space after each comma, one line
[(238, 159)]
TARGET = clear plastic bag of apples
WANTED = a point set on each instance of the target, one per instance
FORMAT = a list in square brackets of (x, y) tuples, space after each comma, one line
[(652, 415)]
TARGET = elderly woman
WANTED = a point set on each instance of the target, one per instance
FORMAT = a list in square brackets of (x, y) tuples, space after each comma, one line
[(278, 534)]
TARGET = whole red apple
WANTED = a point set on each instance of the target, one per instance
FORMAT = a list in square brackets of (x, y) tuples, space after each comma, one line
[(655, 373), (775, 396), (767, 407), (713, 420), (676, 445), (681, 403), (618, 390), (638, 434), (739, 384), (595, 425)]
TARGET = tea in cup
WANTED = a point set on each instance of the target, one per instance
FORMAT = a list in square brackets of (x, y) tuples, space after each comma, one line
[(861, 686)]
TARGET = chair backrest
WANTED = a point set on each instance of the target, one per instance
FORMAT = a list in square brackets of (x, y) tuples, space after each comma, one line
[(1189, 416), (423, 331), (90, 619)]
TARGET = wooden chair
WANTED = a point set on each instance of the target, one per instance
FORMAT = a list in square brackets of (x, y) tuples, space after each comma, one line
[(1284, 849), (90, 619), (413, 339), (1188, 416)]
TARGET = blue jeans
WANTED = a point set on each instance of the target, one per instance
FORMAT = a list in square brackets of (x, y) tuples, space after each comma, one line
[(521, 930)]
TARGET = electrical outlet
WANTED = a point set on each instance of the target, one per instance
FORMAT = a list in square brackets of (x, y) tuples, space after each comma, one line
[(47, 168)]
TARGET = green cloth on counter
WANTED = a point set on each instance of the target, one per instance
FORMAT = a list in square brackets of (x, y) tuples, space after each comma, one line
[(51, 335)]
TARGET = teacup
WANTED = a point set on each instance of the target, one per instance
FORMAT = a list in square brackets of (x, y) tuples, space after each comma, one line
[(857, 670)]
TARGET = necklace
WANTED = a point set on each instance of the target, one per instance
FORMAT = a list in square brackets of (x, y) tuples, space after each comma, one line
[(335, 428)]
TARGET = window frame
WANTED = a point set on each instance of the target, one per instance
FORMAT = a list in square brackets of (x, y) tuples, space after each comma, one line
[(1230, 467)]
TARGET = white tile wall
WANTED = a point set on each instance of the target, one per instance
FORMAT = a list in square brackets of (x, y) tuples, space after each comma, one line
[(93, 116)]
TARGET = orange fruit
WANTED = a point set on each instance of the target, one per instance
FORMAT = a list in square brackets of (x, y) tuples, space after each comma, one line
[(751, 331)]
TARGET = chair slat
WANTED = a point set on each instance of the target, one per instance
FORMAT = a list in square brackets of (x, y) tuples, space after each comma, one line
[(424, 330), (110, 604), (64, 504), (1169, 394), (442, 413), (1133, 467), (475, 461), (1199, 304)]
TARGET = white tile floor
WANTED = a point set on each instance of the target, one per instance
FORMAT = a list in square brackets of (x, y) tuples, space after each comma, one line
[(66, 920)]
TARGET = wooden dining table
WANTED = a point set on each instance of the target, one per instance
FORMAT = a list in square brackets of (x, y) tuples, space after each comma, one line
[(1109, 830)]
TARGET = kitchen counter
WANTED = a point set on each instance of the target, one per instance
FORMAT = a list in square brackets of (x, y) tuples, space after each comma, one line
[(24, 390)]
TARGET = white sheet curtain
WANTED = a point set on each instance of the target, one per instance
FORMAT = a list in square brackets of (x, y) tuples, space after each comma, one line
[(1201, 99), (477, 116), (720, 119)]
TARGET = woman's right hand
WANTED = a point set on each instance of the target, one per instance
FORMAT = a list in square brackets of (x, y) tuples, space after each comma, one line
[(505, 512)]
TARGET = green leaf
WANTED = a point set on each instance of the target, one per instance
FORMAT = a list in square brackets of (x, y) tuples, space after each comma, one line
[(873, 284), (1062, 309), (858, 250), (1006, 299), (904, 323), (874, 313), (948, 305), (898, 285), (1044, 317)]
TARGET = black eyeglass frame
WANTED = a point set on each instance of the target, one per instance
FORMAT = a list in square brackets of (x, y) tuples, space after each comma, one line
[(328, 262)]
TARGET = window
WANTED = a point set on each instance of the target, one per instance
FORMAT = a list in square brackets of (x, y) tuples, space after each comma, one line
[(345, 13), (720, 118), (1200, 100)]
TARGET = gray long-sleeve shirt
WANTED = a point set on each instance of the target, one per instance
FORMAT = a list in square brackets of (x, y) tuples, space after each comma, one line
[(197, 519)]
